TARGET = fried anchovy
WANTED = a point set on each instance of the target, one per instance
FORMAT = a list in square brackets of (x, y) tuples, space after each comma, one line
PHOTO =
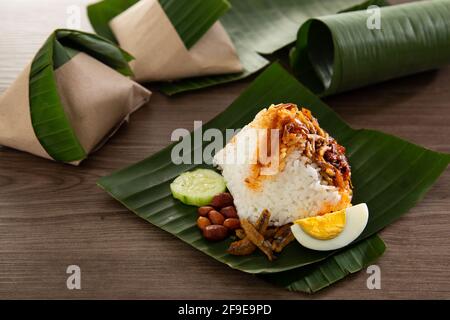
[(242, 247), (282, 238), (282, 231), (245, 246), (258, 239), (240, 233), (262, 223), (270, 233)]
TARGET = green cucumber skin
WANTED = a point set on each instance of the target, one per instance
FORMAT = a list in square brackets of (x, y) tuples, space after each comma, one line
[(192, 201), (197, 200)]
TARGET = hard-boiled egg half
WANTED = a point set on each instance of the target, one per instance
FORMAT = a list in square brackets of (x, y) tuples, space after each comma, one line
[(333, 230)]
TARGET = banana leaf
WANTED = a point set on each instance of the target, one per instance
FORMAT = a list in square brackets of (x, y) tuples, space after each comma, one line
[(50, 123), (101, 13), (257, 28), (202, 15), (191, 18), (389, 174), (320, 275), (340, 52)]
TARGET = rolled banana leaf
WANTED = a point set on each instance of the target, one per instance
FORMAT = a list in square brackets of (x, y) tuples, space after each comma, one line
[(61, 106), (341, 52), (389, 174)]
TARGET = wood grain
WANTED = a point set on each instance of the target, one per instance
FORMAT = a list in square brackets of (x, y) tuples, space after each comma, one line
[(53, 215)]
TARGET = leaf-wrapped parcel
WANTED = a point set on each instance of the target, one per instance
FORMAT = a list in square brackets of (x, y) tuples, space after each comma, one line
[(171, 39), (70, 98), (341, 52), (256, 28)]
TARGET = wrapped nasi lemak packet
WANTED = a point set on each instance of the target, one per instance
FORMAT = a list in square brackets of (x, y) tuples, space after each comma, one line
[(146, 32), (70, 99)]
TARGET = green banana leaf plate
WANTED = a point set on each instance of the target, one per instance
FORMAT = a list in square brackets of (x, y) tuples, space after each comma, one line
[(389, 174)]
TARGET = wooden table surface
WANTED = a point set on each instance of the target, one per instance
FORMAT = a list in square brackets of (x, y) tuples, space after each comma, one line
[(54, 215)]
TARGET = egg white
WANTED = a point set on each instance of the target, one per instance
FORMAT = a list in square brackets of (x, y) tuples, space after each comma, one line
[(356, 218)]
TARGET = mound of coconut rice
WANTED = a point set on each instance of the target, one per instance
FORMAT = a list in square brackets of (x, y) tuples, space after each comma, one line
[(284, 162)]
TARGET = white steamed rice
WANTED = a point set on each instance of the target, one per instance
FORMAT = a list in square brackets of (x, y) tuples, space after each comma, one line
[(298, 191)]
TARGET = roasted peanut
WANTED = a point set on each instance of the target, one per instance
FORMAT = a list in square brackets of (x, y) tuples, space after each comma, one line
[(203, 222), (215, 217), (215, 233), (203, 211), (229, 212), (232, 223), (222, 200)]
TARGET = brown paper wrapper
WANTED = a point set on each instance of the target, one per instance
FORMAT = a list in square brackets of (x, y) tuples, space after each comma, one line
[(96, 99), (145, 31)]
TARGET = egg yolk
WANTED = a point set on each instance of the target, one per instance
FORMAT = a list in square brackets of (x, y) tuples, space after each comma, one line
[(325, 227)]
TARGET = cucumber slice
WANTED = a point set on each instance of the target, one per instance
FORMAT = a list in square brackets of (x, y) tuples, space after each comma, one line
[(198, 187)]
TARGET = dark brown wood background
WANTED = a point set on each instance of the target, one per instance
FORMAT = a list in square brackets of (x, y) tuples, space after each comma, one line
[(54, 215)]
